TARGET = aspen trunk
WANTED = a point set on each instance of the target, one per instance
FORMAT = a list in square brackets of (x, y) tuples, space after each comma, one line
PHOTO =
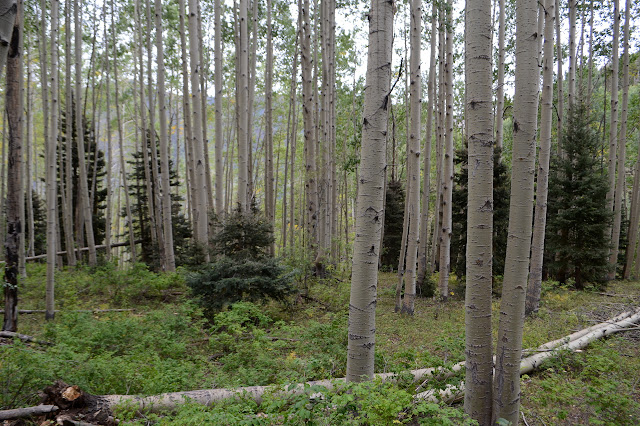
[(413, 160), (534, 285), (573, 5), (197, 144), (308, 109), (67, 210), (447, 169), (51, 163), (621, 182), (123, 173), (218, 53), (243, 112), (424, 217), (269, 199), (82, 167), (479, 113), (500, 68), (108, 218), (590, 64), (560, 84), (613, 138), (623, 128), (13, 106), (29, 128), (362, 305), (169, 257), (506, 393)]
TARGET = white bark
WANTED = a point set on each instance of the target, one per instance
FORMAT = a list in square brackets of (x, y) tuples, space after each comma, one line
[(479, 114), (362, 305), (169, 257), (447, 168), (51, 163), (243, 111), (540, 220), (613, 136), (500, 68), (82, 167), (525, 108)]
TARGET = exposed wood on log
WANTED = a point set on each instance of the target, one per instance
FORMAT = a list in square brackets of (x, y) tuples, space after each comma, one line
[(23, 337), (20, 413), (60, 253)]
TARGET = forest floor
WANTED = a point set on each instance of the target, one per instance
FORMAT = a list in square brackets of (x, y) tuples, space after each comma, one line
[(167, 344)]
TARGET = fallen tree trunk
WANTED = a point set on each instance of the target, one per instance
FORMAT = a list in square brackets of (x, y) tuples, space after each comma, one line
[(20, 413), (100, 407), (452, 393), (93, 311), (100, 246)]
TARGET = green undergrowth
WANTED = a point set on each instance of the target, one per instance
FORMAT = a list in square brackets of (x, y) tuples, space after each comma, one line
[(166, 343)]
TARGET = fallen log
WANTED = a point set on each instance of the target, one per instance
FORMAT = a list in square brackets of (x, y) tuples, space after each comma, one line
[(452, 393), (23, 337), (20, 413), (99, 246), (93, 311), (100, 407)]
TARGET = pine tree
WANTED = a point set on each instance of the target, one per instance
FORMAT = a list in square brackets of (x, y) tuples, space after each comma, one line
[(185, 253), (394, 212), (579, 216), (501, 188), (95, 179)]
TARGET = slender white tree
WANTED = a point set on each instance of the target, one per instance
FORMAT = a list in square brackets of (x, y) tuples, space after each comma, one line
[(364, 275)]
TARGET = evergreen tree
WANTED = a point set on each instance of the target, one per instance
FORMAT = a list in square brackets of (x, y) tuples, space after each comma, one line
[(501, 189), (185, 251), (393, 221), (39, 224), (95, 178), (577, 244)]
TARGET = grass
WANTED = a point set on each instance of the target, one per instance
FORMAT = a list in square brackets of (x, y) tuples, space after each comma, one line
[(167, 344)]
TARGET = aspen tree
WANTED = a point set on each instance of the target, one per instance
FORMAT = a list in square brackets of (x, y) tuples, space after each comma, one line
[(217, 58), (269, 188), (151, 199), (82, 167), (447, 168), (572, 4), (123, 173), (107, 65), (169, 257), (152, 135), (186, 118), (500, 69), (590, 61), (614, 193), (506, 392), (479, 111), (364, 276), (51, 147), (29, 129), (13, 106), (308, 109), (413, 160), (424, 219), (243, 105), (67, 209), (534, 285), (205, 120), (197, 145), (560, 83), (623, 132)]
